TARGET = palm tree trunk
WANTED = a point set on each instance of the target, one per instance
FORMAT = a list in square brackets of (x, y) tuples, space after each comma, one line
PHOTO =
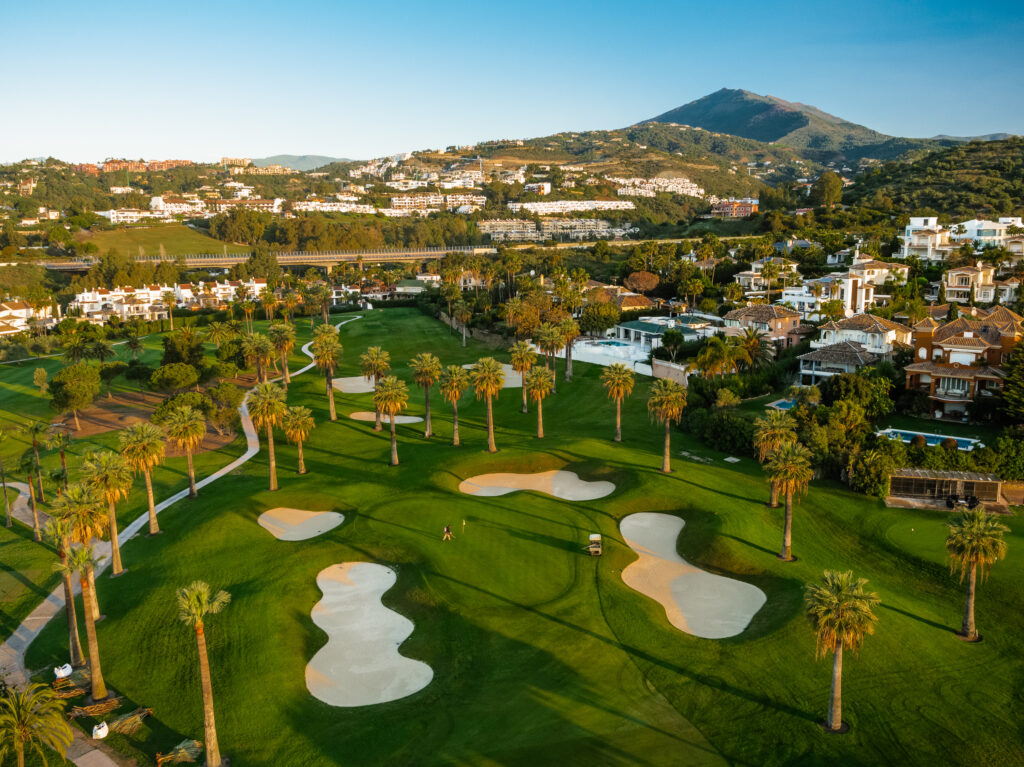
[(666, 465), (329, 373), (302, 460), (115, 546), (192, 492), (455, 424), (39, 474), (618, 420), (7, 501), (787, 534), (491, 448), (19, 751), (568, 361), (99, 688), (554, 373), (523, 376), (968, 630), (63, 466), (540, 419), (429, 431), (209, 724), (36, 532), (78, 426), (154, 526), (394, 443), (284, 369), (273, 458), (463, 335), (74, 641), (835, 704), (774, 502), (95, 597)]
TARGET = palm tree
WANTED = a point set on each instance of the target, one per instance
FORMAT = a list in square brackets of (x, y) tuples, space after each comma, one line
[(789, 470), (757, 347), (266, 408), (33, 717), (523, 358), (195, 602), (27, 466), (840, 612), (4, 431), (539, 383), (390, 397), (80, 561), (770, 272), (259, 350), (58, 533), (58, 439), (297, 423), (142, 445), (170, 300), (375, 363), (549, 340), (82, 507), (454, 381), (426, 369), (185, 427), (219, 332), (976, 538), (618, 381), (488, 378), (665, 405), (570, 331), (282, 336), (462, 313), (110, 475), (289, 301), (36, 432), (770, 433), (269, 302), (326, 350)]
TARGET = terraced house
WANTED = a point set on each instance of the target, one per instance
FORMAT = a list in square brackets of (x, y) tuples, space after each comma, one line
[(960, 363), (978, 283)]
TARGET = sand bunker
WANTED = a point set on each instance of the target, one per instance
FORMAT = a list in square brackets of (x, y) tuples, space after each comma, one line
[(512, 379), (561, 484), (360, 665), (353, 385), (697, 602), (298, 524), (363, 415)]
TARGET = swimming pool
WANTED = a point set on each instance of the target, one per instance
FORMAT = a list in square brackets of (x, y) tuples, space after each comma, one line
[(613, 343), (782, 404), (962, 443)]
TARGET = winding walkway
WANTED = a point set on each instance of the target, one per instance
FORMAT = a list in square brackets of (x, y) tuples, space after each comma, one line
[(12, 651)]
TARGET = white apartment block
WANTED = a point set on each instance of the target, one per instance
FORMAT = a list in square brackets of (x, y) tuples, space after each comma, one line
[(131, 215), (926, 240), (17, 316), (649, 187), (454, 201), (555, 207), (417, 201), (324, 206), (985, 233), (178, 206)]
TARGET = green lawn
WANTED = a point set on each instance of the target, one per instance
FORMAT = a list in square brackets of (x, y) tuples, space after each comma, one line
[(541, 655), (176, 239)]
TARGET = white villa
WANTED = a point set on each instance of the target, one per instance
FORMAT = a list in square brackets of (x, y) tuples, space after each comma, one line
[(980, 278)]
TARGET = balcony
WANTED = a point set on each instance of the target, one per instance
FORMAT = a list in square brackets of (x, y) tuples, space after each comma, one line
[(953, 395)]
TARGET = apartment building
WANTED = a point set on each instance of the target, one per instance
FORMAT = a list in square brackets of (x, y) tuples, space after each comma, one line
[(555, 207), (131, 215), (961, 361), (649, 187), (132, 166), (178, 206), (325, 206), (158, 165), (541, 188), (734, 208), (986, 233), (924, 239), (455, 201), (978, 282), (252, 170), (17, 316), (235, 162), (99, 305), (417, 201), (88, 168), (258, 204)]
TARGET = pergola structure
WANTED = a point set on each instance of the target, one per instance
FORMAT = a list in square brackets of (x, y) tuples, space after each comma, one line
[(937, 486)]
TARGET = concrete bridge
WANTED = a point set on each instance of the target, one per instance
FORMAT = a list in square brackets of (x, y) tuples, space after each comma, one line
[(323, 258)]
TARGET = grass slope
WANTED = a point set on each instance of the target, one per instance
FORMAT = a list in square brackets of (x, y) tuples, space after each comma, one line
[(540, 653), (175, 239)]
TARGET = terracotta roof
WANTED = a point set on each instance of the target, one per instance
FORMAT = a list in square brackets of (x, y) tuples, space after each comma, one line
[(955, 370), (761, 313), (966, 342), (927, 325), (844, 353), (870, 322)]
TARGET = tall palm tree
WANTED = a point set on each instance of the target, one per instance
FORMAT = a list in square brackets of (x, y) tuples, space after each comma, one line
[(195, 602), (4, 431), (618, 381), (665, 405), (549, 340), (570, 331), (33, 717), (789, 470), (375, 364), (454, 381), (36, 431), (111, 476), (58, 439), (269, 302), (770, 433), (539, 383), (266, 408), (975, 538), (297, 423), (282, 336), (82, 507), (170, 300), (142, 445), (390, 397), (840, 611), (218, 332), (769, 273), (80, 561), (523, 358), (488, 378), (462, 313), (185, 427), (58, 533), (326, 349), (426, 369), (259, 350), (27, 465), (289, 301)]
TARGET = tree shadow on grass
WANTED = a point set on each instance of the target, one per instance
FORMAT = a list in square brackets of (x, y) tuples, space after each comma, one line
[(918, 618)]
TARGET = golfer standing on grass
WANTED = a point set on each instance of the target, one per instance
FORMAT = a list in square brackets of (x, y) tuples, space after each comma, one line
[(447, 533)]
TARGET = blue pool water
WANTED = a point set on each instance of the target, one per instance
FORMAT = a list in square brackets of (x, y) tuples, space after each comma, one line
[(613, 343), (783, 404), (962, 443)]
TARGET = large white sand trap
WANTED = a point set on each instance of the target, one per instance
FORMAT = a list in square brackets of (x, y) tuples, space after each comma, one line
[(353, 385), (512, 379), (360, 665), (363, 415), (561, 484), (695, 601), (298, 524)]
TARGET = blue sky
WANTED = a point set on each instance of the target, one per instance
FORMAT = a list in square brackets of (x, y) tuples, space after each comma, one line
[(90, 80)]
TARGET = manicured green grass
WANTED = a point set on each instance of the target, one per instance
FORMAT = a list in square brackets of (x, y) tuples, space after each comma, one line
[(541, 655), (176, 239), (26, 574)]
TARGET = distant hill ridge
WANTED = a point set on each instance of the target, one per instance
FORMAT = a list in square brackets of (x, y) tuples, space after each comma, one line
[(302, 162)]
